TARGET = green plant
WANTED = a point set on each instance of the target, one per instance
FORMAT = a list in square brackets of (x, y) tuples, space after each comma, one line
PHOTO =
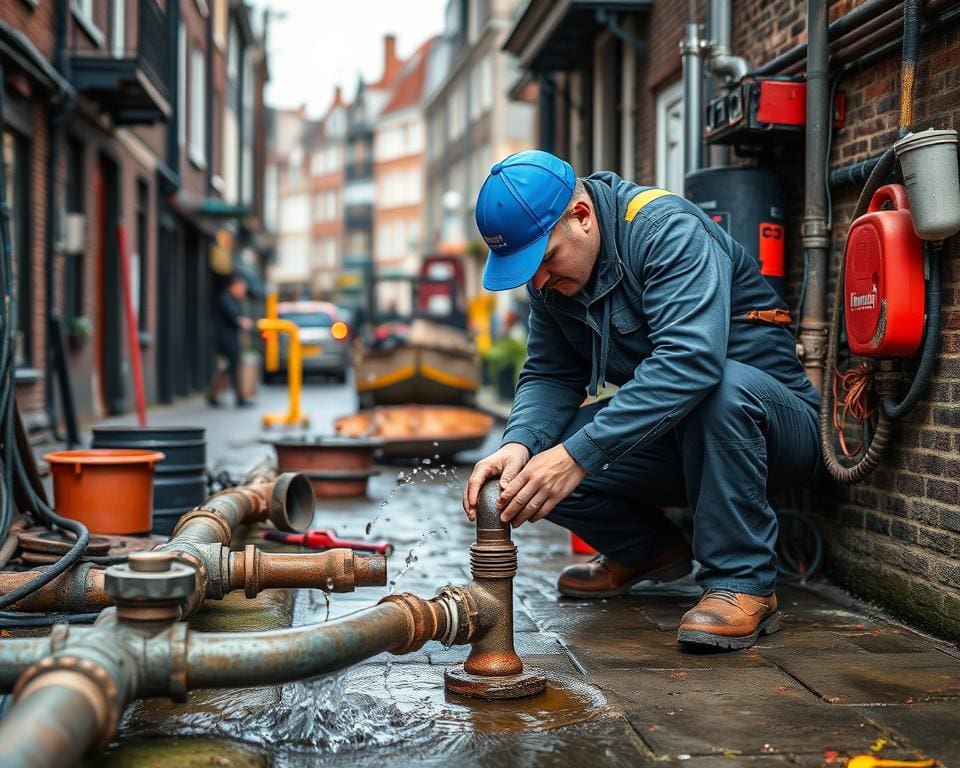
[(79, 328), (506, 354)]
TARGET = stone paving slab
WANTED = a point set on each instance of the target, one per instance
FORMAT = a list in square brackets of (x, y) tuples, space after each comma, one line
[(929, 729), (878, 678), (735, 711)]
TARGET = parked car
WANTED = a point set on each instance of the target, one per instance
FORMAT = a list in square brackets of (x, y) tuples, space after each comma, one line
[(324, 338)]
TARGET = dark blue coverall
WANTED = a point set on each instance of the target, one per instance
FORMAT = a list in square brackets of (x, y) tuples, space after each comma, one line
[(713, 409)]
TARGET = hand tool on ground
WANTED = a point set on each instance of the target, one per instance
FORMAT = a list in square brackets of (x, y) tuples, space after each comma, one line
[(327, 539), (869, 761)]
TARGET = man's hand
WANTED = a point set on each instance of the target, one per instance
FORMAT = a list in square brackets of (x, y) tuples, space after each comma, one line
[(546, 480), (504, 463), (245, 323)]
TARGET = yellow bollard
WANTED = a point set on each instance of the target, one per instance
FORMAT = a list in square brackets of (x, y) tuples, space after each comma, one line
[(293, 416), (271, 347)]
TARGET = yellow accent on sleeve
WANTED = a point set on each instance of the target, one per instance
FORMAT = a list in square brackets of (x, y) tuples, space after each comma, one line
[(638, 202)]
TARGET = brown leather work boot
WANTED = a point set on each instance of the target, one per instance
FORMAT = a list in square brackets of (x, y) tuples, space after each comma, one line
[(602, 577), (728, 620)]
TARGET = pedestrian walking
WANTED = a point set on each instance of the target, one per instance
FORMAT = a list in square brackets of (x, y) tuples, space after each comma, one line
[(229, 324), (637, 287)]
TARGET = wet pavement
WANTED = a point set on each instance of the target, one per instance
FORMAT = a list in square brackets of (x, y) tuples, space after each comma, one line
[(839, 679)]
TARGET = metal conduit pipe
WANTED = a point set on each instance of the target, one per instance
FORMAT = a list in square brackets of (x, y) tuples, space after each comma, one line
[(842, 26), (864, 28), (816, 236)]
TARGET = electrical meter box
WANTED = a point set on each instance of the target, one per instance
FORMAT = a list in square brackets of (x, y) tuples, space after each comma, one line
[(884, 281)]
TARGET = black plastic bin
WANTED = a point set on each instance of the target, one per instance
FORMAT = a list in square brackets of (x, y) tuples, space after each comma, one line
[(179, 483)]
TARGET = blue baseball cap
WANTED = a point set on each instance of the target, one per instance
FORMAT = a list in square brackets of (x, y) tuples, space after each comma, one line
[(518, 206)]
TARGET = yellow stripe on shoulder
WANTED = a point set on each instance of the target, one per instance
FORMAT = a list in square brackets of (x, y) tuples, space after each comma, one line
[(639, 201)]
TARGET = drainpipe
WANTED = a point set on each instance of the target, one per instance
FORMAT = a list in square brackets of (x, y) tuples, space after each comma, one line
[(690, 53), (816, 237), (60, 108), (720, 61)]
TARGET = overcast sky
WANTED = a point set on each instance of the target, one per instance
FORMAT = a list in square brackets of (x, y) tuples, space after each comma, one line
[(316, 44)]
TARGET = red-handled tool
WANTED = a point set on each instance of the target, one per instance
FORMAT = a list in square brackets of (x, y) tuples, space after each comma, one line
[(328, 539)]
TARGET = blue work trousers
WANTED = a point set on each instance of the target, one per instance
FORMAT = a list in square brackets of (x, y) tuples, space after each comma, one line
[(750, 439)]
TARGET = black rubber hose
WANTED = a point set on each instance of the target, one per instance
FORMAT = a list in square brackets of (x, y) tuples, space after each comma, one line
[(908, 62), (878, 445), (50, 518), (931, 345), (11, 620)]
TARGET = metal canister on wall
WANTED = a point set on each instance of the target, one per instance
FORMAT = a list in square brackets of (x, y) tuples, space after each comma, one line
[(747, 202)]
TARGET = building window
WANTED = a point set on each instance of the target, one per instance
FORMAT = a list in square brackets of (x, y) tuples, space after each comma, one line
[(670, 138), (16, 158), (198, 107), (83, 13), (486, 82), (73, 283)]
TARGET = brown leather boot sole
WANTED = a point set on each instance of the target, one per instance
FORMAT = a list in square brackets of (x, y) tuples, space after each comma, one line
[(694, 640), (714, 622), (669, 572)]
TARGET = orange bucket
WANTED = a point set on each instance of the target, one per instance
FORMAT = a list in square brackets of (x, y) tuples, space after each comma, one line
[(109, 490)]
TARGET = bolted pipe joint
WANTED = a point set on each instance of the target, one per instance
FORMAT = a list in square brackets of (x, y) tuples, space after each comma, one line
[(336, 570), (151, 586)]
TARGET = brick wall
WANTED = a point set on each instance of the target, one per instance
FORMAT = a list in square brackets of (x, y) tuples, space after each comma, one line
[(896, 537)]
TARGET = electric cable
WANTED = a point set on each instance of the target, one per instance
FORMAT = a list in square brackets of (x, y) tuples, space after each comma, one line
[(875, 449)]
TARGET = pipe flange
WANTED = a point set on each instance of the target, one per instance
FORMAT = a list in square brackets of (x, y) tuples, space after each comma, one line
[(530, 682), (86, 677), (462, 607), (251, 571), (205, 513)]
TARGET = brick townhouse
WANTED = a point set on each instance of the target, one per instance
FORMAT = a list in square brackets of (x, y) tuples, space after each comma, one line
[(140, 115), (611, 94)]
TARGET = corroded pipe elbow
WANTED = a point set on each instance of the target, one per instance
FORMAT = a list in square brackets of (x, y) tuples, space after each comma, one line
[(488, 516), (337, 570)]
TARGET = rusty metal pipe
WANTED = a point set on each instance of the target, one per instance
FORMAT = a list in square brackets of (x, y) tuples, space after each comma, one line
[(400, 624), (336, 570), (50, 727), (79, 590)]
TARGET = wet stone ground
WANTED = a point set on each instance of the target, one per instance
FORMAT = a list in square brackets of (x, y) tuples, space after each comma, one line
[(840, 679)]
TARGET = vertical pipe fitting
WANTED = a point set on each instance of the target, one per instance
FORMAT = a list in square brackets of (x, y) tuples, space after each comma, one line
[(493, 670)]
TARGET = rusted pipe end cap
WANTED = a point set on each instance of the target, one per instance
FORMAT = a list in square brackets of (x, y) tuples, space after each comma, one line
[(530, 682)]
